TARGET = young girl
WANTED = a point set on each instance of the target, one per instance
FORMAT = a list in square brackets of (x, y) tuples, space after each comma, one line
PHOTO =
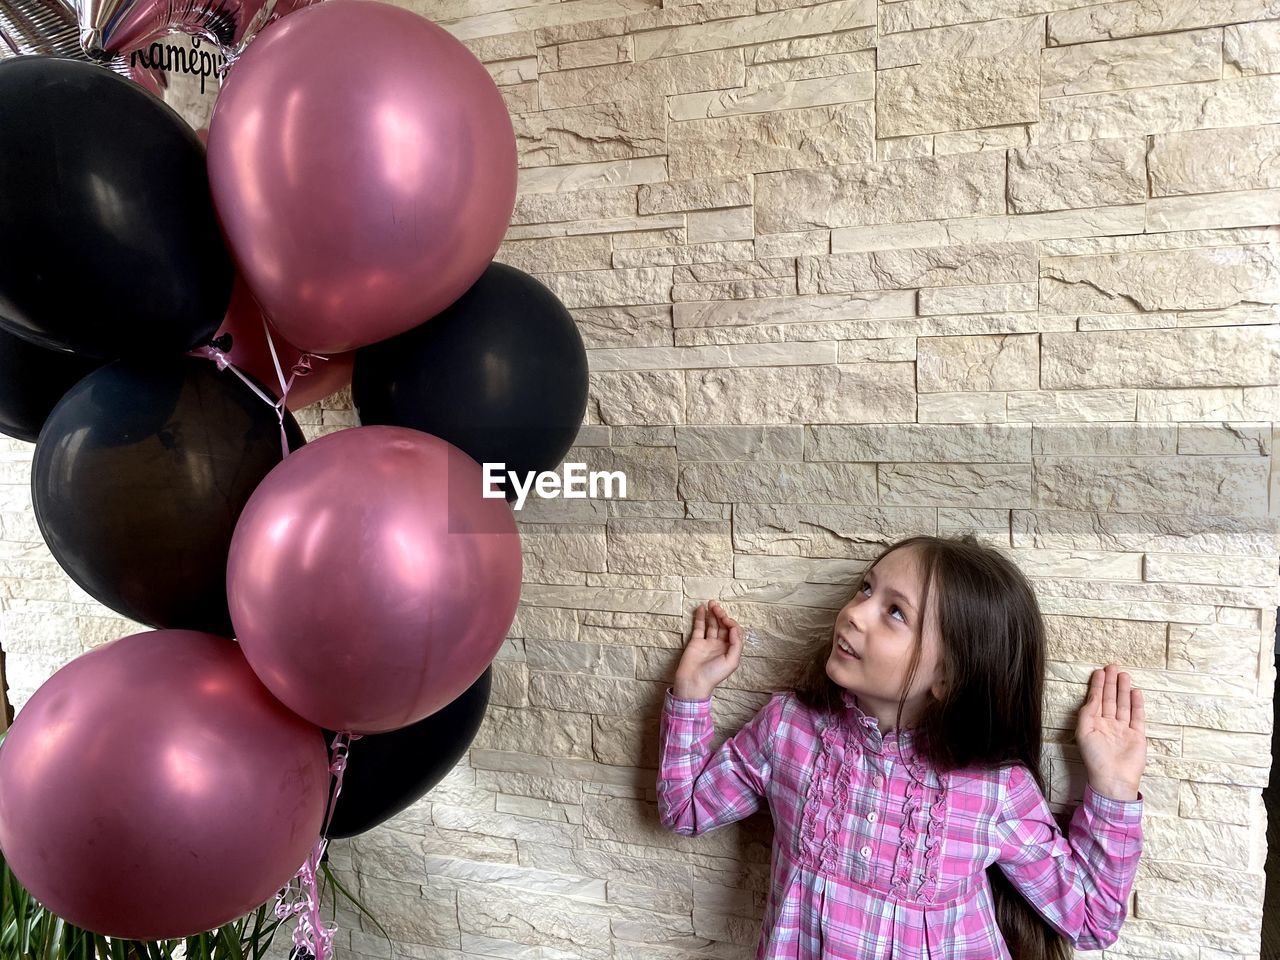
[(903, 773)]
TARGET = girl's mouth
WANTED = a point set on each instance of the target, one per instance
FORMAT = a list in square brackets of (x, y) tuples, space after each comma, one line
[(846, 651)]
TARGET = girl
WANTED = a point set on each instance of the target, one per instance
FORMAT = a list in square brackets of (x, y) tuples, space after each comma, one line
[(903, 773)]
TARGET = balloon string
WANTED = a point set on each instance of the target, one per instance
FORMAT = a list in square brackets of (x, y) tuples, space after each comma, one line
[(210, 352), (284, 386), (301, 368), (301, 897), (275, 362)]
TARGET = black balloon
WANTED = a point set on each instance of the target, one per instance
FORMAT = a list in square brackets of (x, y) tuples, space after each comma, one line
[(109, 243), (32, 380), (139, 476), (501, 374), (387, 772)]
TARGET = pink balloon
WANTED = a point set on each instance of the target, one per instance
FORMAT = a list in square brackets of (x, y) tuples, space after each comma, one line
[(317, 378), (153, 788), (370, 583), (363, 165)]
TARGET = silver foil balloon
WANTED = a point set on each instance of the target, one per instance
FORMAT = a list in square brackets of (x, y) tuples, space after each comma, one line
[(49, 28), (39, 26), (113, 27)]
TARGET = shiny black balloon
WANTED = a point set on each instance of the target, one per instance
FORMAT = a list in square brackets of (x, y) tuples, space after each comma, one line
[(109, 244), (501, 373), (387, 772), (139, 476), (32, 380)]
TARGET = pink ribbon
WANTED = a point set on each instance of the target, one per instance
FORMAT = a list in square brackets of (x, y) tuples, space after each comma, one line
[(300, 369), (301, 897)]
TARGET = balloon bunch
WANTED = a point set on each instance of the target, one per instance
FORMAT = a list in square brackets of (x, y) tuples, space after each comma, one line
[(359, 178)]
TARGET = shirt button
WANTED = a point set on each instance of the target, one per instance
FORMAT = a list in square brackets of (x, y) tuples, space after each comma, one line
[(878, 780), (865, 851), (871, 817)]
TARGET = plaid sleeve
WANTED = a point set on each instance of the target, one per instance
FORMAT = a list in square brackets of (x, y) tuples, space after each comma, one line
[(1080, 883), (699, 790)]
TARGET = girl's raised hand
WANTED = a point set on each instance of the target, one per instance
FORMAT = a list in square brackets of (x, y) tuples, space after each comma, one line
[(1111, 734), (712, 652)]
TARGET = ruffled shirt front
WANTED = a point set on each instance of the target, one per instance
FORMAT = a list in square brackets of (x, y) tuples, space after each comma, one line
[(875, 855)]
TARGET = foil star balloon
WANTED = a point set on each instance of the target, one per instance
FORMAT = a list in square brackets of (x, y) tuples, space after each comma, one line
[(49, 28), (119, 26)]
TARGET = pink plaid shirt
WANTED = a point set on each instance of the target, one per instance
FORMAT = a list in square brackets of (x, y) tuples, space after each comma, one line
[(875, 855)]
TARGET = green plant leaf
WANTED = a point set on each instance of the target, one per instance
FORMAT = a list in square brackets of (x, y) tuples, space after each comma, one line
[(346, 893), (24, 925), (53, 940)]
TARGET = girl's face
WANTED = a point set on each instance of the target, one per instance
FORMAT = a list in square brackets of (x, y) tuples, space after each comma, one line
[(880, 624)]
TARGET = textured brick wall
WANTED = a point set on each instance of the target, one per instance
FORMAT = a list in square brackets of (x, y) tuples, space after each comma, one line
[(849, 271)]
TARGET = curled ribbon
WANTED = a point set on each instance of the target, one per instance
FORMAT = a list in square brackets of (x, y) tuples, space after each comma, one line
[(300, 368), (301, 896)]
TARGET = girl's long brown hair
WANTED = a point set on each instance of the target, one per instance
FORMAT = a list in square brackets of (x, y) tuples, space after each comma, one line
[(990, 714)]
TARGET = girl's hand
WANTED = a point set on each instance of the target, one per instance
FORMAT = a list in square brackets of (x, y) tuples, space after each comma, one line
[(711, 654), (1111, 734)]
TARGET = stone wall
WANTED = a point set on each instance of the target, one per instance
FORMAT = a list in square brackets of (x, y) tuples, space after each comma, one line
[(849, 271)]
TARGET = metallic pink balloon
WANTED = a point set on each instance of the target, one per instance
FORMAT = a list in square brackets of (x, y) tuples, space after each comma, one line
[(153, 788), (363, 165), (369, 581)]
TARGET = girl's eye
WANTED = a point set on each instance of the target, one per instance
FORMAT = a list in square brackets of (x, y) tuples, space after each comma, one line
[(894, 607)]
